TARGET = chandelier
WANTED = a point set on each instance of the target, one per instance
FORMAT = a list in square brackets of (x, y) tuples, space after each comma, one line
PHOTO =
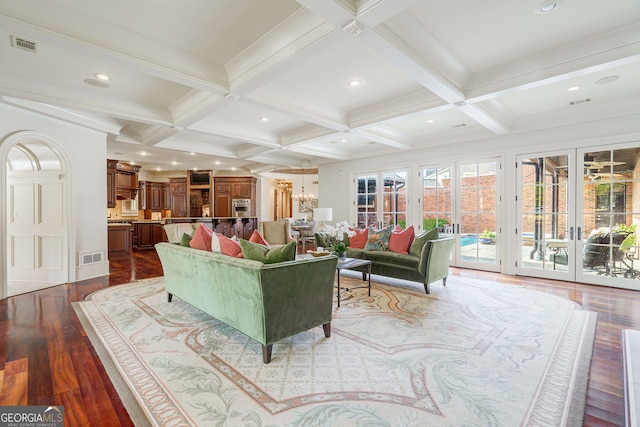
[(302, 197)]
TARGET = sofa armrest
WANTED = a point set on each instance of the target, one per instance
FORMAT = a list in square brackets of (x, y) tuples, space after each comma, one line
[(435, 258)]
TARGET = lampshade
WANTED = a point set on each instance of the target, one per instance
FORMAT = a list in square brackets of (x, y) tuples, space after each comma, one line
[(322, 214)]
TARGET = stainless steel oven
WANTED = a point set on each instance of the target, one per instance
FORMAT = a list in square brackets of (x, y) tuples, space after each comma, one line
[(241, 207)]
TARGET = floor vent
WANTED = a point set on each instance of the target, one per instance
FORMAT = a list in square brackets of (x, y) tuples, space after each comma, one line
[(24, 44), (90, 258)]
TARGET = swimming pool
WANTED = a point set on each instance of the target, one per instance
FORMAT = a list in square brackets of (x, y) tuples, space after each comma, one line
[(468, 240)]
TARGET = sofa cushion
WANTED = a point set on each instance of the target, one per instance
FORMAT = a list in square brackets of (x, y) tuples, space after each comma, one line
[(230, 247), (186, 239), (268, 255), (256, 237), (393, 258), (201, 238), (378, 240), (400, 241), (421, 239), (359, 240)]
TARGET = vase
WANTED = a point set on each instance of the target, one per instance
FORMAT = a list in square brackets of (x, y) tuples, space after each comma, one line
[(342, 256)]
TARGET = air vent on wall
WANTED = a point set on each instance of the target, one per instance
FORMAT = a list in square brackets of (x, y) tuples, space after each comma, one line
[(24, 44), (90, 258), (580, 101)]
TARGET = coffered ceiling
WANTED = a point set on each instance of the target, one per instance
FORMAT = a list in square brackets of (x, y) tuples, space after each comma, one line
[(190, 82)]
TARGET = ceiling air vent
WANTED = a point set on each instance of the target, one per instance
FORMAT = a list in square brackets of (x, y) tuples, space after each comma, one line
[(24, 44), (580, 101), (461, 125)]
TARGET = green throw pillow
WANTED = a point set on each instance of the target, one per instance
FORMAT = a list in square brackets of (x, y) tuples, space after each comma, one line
[(272, 255), (378, 239), (421, 239), (186, 239)]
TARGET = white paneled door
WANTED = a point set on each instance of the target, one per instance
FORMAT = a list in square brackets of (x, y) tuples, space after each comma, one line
[(36, 240)]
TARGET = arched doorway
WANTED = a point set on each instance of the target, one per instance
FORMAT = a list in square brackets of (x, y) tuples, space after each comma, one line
[(35, 215)]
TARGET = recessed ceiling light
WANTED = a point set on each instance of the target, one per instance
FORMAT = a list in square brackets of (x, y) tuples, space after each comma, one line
[(264, 119), (546, 7), (158, 169), (574, 88), (143, 153), (192, 153), (233, 168), (344, 140), (174, 163), (101, 76), (354, 83), (430, 121), (217, 162), (608, 79)]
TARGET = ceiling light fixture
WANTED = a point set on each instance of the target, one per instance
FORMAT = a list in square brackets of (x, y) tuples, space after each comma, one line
[(574, 88), (354, 83), (101, 76), (264, 119), (430, 121), (546, 7)]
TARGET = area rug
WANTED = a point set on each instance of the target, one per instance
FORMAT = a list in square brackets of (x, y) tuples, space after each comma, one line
[(473, 353)]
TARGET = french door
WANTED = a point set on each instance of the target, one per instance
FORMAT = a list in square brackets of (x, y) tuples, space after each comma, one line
[(578, 211), (381, 198), (461, 200)]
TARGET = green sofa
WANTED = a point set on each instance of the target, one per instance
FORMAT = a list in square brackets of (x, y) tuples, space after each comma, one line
[(267, 302), (431, 265)]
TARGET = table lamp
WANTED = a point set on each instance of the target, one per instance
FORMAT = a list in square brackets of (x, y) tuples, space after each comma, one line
[(320, 215)]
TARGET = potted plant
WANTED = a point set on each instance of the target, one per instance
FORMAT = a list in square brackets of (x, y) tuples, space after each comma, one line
[(337, 235), (487, 237)]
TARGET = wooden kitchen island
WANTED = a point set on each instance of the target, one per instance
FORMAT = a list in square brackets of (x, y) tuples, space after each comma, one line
[(241, 227)]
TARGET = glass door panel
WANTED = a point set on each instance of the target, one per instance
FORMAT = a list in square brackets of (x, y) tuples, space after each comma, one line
[(394, 206), (477, 232), (381, 199), (366, 201), (610, 194), (543, 205), (436, 199)]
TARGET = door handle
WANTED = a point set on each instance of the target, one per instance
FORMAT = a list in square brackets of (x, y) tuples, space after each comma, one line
[(579, 233), (570, 233)]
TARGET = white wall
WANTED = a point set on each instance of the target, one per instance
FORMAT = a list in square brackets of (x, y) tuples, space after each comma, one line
[(86, 151)]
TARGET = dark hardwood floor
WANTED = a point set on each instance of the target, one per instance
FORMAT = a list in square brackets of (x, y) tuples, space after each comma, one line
[(46, 358)]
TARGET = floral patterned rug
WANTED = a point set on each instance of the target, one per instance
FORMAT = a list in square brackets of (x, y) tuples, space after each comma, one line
[(472, 353)]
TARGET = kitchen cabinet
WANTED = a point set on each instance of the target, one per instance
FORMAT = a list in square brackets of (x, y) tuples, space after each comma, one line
[(147, 234), (122, 181), (178, 195), (153, 196), (166, 195), (119, 239), (227, 188), (111, 187)]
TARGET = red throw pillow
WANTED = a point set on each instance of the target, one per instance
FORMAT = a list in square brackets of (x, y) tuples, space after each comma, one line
[(359, 239), (400, 241), (256, 237), (230, 247), (202, 238)]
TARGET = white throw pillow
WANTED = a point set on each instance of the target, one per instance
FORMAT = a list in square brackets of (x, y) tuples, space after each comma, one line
[(215, 244)]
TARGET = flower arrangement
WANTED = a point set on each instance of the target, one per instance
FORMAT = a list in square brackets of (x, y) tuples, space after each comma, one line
[(336, 235)]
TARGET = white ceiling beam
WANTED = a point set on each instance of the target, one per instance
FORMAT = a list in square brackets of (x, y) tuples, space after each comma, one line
[(385, 140)]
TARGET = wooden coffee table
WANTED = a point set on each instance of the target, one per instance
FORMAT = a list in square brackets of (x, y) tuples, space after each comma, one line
[(348, 264)]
